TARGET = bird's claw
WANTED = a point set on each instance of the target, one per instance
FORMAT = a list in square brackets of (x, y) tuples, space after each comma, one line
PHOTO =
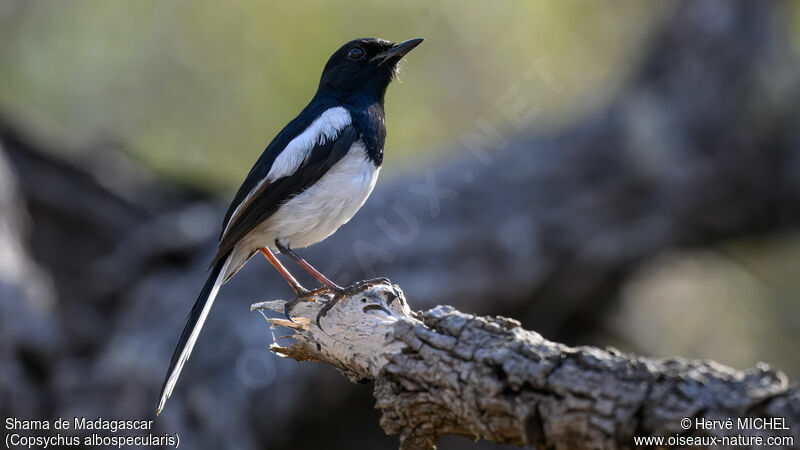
[(327, 307), (340, 293), (373, 282), (301, 295)]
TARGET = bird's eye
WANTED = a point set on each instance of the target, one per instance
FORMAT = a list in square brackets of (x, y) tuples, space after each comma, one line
[(356, 53)]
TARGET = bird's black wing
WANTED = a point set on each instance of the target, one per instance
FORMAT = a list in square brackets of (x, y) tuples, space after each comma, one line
[(264, 163), (269, 196)]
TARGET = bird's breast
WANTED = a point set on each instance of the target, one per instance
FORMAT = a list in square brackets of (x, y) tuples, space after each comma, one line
[(332, 201)]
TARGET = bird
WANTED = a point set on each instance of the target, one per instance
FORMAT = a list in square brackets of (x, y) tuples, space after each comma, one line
[(310, 180)]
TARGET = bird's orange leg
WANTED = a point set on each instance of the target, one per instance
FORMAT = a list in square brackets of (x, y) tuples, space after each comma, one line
[(309, 268), (302, 293), (333, 287), (282, 270)]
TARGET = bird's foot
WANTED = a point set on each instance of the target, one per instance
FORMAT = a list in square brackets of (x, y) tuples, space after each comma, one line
[(300, 295), (363, 284), (341, 292)]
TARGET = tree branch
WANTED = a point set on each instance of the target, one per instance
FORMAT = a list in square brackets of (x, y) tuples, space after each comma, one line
[(441, 372)]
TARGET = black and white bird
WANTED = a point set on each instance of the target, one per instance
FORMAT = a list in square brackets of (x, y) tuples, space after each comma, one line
[(311, 179)]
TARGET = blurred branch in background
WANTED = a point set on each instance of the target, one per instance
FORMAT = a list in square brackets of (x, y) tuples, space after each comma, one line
[(701, 146)]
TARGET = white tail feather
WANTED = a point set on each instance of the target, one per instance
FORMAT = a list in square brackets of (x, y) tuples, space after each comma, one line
[(187, 349)]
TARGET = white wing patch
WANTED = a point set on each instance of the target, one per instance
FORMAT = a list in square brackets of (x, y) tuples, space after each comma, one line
[(326, 126)]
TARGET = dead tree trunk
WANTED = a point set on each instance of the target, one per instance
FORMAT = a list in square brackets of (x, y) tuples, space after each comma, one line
[(441, 372)]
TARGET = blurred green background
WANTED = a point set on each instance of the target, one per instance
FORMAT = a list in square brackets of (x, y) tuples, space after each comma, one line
[(196, 89)]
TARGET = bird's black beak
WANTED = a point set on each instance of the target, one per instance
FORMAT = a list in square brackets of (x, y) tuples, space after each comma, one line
[(397, 51)]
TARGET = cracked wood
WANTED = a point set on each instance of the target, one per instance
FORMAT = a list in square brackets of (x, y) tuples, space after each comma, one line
[(442, 371)]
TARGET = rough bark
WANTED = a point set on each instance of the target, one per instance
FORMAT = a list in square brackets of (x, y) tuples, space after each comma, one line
[(440, 372)]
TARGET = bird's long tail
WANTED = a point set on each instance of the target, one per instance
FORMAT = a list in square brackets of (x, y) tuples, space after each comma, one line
[(192, 329)]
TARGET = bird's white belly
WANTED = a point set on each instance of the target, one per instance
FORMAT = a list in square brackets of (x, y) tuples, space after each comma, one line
[(320, 210)]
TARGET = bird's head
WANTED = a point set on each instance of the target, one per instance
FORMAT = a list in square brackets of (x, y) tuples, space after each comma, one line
[(363, 68)]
